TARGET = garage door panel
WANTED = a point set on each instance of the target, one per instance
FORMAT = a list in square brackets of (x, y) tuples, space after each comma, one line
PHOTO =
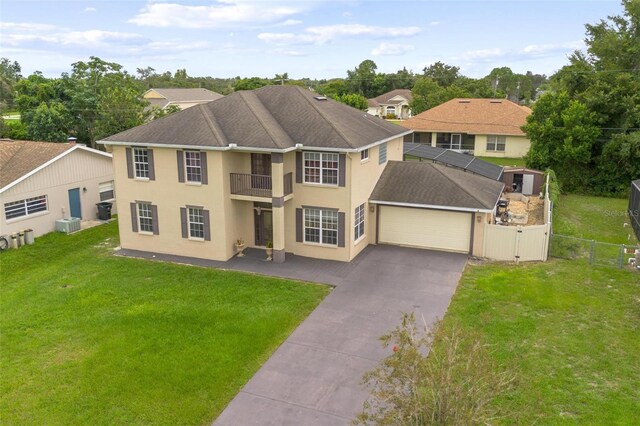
[(434, 229)]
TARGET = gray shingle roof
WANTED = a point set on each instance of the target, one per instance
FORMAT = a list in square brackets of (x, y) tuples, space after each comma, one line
[(272, 117), (184, 95), (435, 185)]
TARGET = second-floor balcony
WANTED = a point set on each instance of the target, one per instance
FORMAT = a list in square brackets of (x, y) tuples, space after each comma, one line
[(258, 186)]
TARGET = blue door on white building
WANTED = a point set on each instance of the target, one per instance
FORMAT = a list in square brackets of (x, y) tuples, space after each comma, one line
[(75, 209)]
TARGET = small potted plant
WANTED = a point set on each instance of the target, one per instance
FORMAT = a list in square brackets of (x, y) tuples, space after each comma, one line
[(269, 250), (240, 246)]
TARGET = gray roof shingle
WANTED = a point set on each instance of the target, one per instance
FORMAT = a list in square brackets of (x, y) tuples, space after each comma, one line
[(435, 185), (272, 117), (17, 158)]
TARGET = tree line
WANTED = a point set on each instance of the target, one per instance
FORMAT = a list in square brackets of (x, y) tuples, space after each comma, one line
[(586, 126)]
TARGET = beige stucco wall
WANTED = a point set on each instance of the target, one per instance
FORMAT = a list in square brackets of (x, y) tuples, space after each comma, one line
[(515, 147), (169, 195), (478, 233), (78, 169)]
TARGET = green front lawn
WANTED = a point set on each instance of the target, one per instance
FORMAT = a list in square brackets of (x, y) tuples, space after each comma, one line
[(594, 218), (90, 338), (514, 162), (568, 330)]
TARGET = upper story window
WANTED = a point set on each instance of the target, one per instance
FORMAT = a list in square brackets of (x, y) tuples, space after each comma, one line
[(382, 153), (496, 142), (141, 162), (364, 155), (193, 166), (321, 168), (25, 207)]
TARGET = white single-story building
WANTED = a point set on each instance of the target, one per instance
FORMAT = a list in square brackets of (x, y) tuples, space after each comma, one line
[(41, 182)]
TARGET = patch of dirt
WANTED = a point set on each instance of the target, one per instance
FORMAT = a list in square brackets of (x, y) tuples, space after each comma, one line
[(534, 208)]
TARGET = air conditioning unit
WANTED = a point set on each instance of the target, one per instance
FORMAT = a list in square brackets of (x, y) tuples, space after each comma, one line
[(69, 225)]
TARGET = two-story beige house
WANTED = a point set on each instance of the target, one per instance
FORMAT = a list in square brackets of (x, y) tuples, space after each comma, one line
[(276, 165)]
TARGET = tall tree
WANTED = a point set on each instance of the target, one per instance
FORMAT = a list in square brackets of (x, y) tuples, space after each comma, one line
[(562, 133), (49, 123), (443, 74), (10, 74), (427, 94), (361, 80)]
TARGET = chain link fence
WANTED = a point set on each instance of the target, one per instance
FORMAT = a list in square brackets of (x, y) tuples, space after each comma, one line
[(595, 252)]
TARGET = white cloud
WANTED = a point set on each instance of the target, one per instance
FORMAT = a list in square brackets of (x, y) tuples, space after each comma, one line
[(290, 22), (391, 49), (327, 33), (542, 50), (89, 10), (286, 52), (434, 23), (481, 55), (223, 13)]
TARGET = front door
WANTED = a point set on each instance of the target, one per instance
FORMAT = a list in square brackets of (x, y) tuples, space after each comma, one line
[(75, 209), (263, 220)]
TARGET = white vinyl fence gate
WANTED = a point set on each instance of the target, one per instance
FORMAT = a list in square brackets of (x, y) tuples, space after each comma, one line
[(516, 243)]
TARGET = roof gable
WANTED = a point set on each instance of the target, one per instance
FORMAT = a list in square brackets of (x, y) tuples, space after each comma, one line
[(474, 116), (21, 159), (272, 118)]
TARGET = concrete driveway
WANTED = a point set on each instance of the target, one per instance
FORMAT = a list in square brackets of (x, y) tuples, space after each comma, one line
[(314, 377)]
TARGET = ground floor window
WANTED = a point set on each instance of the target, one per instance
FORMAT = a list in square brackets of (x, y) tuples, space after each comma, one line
[(359, 222), (145, 217), (25, 207), (106, 190), (321, 226), (496, 143), (196, 222)]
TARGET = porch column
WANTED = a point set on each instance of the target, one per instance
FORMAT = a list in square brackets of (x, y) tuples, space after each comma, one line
[(277, 204)]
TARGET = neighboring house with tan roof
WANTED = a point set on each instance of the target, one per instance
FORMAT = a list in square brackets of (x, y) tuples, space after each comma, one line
[(282, 165), (483, 127), (183, 98), (41, 182), (395, 102)]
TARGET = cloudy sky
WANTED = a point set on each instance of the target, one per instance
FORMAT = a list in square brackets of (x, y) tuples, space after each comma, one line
[(308, 38)]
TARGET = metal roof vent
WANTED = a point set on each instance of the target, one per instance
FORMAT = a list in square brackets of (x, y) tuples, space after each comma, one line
[(495, 102), (320, 98), (464, 101)]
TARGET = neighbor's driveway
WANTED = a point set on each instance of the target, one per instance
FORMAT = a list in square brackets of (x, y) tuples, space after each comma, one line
[(314, 377)]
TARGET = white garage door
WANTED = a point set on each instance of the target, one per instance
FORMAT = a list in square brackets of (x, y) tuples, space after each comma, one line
[(434, 229)]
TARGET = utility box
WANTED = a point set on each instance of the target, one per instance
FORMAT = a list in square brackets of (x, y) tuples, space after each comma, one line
[(69, 225)]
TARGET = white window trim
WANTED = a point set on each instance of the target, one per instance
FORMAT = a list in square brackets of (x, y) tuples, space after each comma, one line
[(27, 215), (320, 243), (191, 237), (140, 230), (495, 142), (364, 155), (322, 154), (135, 163), (356, 223), (113, 189), (186, 168)]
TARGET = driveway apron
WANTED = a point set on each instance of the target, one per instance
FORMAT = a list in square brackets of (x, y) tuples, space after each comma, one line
[(314, 377)]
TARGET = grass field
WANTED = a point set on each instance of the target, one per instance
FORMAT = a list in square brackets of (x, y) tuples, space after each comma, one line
[(90, 338), (517, 162), (568, 330), (593, 218)]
